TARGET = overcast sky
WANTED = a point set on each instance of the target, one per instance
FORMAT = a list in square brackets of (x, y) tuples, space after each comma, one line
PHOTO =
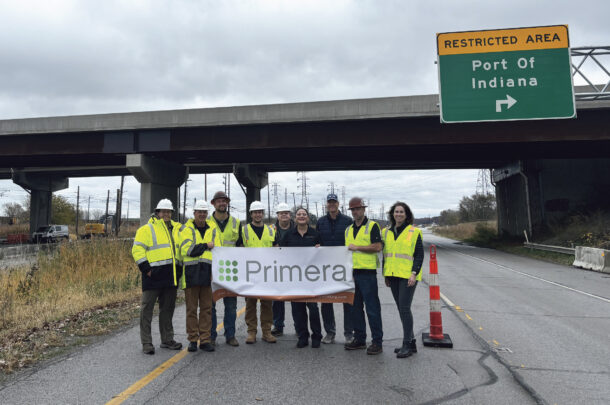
[(91, 57)]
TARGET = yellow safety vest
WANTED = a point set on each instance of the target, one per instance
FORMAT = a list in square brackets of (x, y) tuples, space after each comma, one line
[(189, 238), (231, 232), (251, 239), (398, 253), (153, 243), (361, 260)]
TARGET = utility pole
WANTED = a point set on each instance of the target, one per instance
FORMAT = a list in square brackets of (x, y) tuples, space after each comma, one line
[(294, 200), (343, 199), (106, 217), (77, 201), (286, 195), (205, 186), (88, 205), (317, 210), (276, 199), (120, 205), (268, 203), (116, 218)]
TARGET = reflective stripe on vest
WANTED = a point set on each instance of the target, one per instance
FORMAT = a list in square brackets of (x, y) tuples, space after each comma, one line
[(361, 260), (398, 252), (265, 241)]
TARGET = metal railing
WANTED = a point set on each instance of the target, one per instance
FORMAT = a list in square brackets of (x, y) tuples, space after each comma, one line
[(549, 248), (591, 54)]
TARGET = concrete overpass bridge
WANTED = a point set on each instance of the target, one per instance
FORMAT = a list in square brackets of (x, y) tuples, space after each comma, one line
[(543, 168)]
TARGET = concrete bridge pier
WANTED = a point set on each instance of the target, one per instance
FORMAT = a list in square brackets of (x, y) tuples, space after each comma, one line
[(535, 195), (41, 187), (253, 180), (158, 179)]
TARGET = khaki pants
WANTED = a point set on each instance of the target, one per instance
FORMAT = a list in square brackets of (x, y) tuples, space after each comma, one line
[(167, 303), (266, 315), (198, 327)]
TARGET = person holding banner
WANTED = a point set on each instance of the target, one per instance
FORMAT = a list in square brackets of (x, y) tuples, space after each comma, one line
[(197, 240), (302, 236), (257, 234), (231, 237), (403, 253), (363, 238), (282, 226)]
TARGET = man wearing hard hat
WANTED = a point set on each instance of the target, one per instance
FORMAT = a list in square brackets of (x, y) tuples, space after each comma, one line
[(155, 252), (257, 234), (231, 237), (363, 239), (283, 224), (197, 240)]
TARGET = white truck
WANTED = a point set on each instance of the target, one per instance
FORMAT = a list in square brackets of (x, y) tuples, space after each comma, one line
[(51, 233)]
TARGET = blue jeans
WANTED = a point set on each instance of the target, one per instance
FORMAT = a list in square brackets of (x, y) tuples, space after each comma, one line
[(279, 313), (229, 318), (328, 317), (367, 295)]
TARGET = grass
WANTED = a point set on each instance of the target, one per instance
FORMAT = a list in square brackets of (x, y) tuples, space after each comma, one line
[(80, 289)]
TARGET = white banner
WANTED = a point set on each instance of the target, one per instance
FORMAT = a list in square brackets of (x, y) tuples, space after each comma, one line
[(321, 274)]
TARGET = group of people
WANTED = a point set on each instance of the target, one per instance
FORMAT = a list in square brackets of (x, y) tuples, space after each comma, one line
[(171, 255)]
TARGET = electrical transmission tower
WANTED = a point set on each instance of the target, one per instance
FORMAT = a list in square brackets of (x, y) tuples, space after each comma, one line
[(302, 180), (276, 197), (343, 199), (483, 183), (331, 188)]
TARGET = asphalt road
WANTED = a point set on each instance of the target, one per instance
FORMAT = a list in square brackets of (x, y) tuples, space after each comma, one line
[(524, 331)]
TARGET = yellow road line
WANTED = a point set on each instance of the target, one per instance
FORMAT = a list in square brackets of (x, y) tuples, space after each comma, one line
[(468, 316), (147, 379), (496, 342)]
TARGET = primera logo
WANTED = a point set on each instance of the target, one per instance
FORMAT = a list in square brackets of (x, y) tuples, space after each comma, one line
[(279, 273), (228, 270)]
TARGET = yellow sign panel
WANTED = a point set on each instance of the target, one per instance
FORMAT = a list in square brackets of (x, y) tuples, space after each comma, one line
[(516, 39)]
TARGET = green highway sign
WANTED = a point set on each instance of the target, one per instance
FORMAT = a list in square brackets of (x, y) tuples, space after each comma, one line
[(508, 74)]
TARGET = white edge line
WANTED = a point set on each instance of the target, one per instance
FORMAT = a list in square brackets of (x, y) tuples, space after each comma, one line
[(535, 277)]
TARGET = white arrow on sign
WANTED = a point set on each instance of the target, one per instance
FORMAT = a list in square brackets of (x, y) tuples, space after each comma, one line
[(509, 103)]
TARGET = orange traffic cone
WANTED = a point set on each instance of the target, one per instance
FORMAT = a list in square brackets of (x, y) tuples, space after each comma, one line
[(435, 338)]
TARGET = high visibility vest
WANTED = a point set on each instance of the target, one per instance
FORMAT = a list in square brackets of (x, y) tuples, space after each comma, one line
[(398, 253), (361, 260), (189, 238), (251, 239), (154, 243), (231, 232)]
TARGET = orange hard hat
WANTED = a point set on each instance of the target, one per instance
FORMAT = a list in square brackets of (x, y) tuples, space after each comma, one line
[(220, 194), (356, 202)]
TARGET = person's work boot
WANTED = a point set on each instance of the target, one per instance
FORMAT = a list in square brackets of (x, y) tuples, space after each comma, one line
[(232, 342), (413, 346), (268, 337), (251, 338), (301, 343), (374, 349), (148, 349), (213, 342), (329, 338), (277, 332), (207, 347), (315, 343), (404, 351), (172, 345), (192, 347), (348, 340), (355, 345)]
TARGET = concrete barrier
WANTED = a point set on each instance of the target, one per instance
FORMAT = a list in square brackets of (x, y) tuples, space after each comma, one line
[(592, 259)]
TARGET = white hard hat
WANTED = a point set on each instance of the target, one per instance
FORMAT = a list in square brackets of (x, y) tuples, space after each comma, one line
[(281, 207), (201, 205), (256, 206), (165, 204)]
